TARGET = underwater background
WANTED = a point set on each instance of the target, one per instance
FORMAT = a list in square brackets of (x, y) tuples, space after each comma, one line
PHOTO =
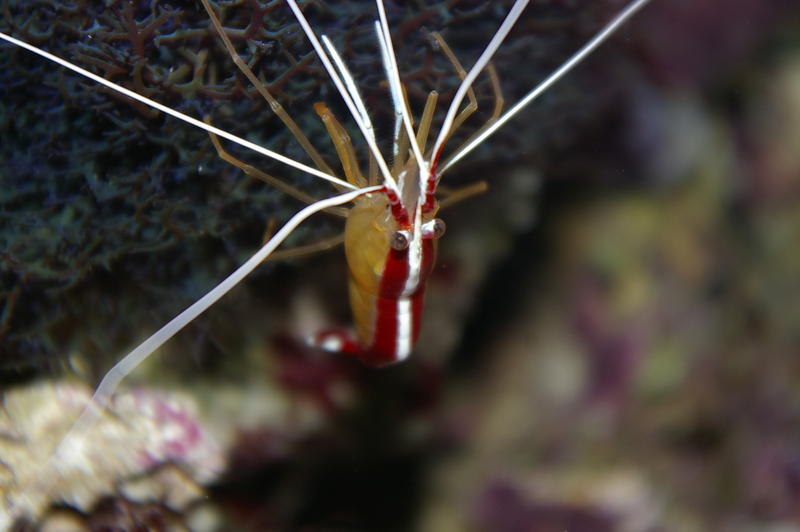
[(611, 338)]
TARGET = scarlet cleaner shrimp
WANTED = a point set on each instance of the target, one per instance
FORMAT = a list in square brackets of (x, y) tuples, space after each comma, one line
[(390, 238)]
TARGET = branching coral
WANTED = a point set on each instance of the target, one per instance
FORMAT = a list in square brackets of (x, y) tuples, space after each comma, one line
[(92, 182)]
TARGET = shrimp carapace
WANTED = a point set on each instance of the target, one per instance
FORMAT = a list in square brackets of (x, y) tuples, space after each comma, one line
[(388, 267)]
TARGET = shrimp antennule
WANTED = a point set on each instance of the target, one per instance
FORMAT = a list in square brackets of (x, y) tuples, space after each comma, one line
[(500, 35), (361, 118), (599, 38), (393, 76)]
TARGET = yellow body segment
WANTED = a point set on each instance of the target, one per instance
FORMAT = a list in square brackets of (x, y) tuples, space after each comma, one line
[(366, 244)]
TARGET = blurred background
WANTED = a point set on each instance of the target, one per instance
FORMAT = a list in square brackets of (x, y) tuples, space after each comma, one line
[(611, 334)]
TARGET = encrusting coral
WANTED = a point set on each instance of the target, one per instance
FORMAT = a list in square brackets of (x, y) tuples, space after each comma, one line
[(141, 430)]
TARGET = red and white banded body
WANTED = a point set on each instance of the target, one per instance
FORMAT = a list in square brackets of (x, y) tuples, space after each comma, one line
[(389, 261)]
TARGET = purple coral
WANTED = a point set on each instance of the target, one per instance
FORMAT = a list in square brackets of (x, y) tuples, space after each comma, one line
[(176, 434)]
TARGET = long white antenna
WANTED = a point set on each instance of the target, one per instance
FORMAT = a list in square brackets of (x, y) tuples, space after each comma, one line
[(340, 86), (393, 77), (350, 85), (466, 83), (132, 360), (177, 114), (579, 56)]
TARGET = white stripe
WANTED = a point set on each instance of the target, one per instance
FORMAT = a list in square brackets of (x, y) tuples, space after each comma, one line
[(331, 344), (405, 328), (414, 255)]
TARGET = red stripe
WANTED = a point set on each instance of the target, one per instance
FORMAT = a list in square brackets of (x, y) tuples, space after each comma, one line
[(419, 296), (383, 349), (395, 274)]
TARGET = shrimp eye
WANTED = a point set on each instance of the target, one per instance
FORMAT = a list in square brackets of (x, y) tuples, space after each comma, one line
[(434, 229), (399, 240)]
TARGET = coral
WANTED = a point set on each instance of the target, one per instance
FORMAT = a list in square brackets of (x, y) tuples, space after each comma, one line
[(95, 188), (140, 431), (503, 508)]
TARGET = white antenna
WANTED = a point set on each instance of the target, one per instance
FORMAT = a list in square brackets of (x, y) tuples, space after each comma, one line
[(350, 85), (177, 114), (346, 96), (133, 359), (393, 77), (579, 56), (466, 83)]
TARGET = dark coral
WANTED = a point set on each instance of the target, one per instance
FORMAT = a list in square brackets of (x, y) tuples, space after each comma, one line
[(108, 206)]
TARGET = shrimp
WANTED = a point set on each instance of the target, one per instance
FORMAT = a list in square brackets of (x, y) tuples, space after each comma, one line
[(392, 229)]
